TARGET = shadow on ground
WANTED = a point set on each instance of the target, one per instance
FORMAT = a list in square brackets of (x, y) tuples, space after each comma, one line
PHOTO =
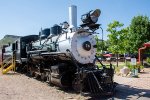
[(125, 92)]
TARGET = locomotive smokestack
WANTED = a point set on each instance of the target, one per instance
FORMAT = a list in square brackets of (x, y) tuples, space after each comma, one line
[(73, 16)]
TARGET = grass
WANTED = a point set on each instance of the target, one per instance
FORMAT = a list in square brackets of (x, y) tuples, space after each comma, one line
[(107, 64)]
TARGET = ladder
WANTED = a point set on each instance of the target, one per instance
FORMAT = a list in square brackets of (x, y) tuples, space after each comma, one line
[(8, 64)]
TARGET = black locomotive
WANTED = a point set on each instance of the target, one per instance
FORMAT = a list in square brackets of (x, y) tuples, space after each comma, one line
[(64, 56)]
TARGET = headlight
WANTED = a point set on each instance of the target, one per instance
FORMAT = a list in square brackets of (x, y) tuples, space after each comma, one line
[(91, 17), (94, 15)]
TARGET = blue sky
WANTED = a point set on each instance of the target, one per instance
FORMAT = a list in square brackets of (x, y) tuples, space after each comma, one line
[(24, 17)]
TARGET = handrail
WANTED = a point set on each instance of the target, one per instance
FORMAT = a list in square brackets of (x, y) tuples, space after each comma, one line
[(5, 64), (8, 61)]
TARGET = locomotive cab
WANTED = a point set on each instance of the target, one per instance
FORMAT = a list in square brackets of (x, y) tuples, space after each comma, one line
[(20, 47)]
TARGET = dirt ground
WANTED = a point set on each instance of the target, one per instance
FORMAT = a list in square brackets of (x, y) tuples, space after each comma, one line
[(20, 87), (14, 86)]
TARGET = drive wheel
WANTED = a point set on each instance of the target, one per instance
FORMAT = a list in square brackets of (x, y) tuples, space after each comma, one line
[(32, 74), (43, 77), (49, 78), (76, 85)]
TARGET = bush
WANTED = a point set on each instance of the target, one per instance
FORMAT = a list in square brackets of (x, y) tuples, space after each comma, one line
[(148, 60), (131, 67), (137, 66)]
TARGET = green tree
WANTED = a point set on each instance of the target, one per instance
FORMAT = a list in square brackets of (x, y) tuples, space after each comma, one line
[(106, 45), (117, 38), (102, 45), (98, 43), (139, 32)]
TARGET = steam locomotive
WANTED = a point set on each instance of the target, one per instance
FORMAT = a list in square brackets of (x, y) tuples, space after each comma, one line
[(64, 55)]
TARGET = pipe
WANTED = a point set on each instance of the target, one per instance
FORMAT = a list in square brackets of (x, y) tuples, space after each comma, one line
[(139, 54), (73, 16)]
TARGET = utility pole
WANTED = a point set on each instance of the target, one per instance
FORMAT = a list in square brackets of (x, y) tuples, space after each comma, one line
[(102, 38)]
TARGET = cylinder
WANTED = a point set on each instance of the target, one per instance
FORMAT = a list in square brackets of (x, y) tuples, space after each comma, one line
[(73, 16)]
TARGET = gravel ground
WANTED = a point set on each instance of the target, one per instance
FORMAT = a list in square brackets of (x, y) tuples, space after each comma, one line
[(20, 87), (14, 86)]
